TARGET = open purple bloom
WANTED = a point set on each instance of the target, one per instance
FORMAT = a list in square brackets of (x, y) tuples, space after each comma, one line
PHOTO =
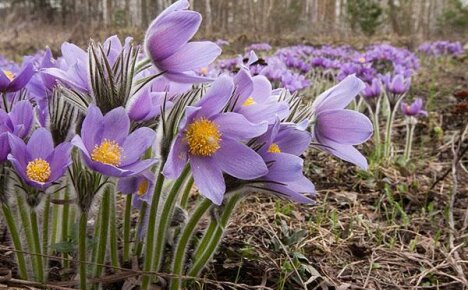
[(337, 129), (414, 109), (108, 148), (12, 81), (255, 100), (397, 84), (211, 141), (141, 186), (281, 146), (166, 43), (373, 90), (18, 122), (38, 163)]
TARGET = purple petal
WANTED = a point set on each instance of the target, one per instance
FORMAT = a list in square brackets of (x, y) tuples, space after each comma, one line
[(339, 96), (4, 146), (19, 150), (244, 86), (345, 152), (4, 81), (191, 56), (293, 141), (41, 144), (60, 160), (236, 126), (284, 167), (22, 114), (290, 194), (261, 89), (269, 112), (171, 33), (217, 96), (239, 160), (128, 185), (22, 78), (176, 159), (77, 141), (136, 144), (209, 178), (92, 127), (343, 126), (139, 166), (116, 125)]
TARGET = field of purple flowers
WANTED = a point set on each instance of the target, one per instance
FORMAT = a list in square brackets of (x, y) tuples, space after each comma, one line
[(168, 165)]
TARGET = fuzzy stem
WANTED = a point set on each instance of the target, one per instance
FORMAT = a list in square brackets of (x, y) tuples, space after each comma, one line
[(409, 139), (64, 221), (389, 128), (103, 232), (150, 240), (200, 262), (165, 218), (26, 223), (55, 219), (113, 234), (37, 246), (185, 237), (15, 237), (82, 249), (185, 195), (45, 229), (126, 228), (203, 244), (139, 228)]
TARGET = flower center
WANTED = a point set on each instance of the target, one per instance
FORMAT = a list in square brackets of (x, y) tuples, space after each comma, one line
[(143, 187), (38, 170), (274, 148), (108, 152), (249, 102), (362, 60), (9, 75), (203, 137)]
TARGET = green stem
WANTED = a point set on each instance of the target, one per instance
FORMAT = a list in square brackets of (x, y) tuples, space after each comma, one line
[(126, 228), (150, 240), (55, 219), (37, 246), (82, 249), (113, 234), (165, 218), (102, 232), (204, 257), (185, 195), (139, 228), (45, 229), (185, 237), (389, 128), (409, 139), (64, 221), (26, 222), (203, 244), (11, 224)]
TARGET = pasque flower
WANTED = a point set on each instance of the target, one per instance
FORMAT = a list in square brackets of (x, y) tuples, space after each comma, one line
[(140, 185), (211, 141), (414, 109), (18, 122), (281, 146), (373, 90), (396, 84), (337, 129), (108, 148), (38, 163), (11, 81), (166, 43)]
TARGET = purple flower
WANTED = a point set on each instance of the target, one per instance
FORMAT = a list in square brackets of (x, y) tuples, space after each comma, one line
[(211, 141), (397, 84), (38, 163), (281, 146), (255, 100), (141, 185), (18, 122), (108, 148), (14, 81), (166, 43), (337, 129), (413, 110), (373, 90)]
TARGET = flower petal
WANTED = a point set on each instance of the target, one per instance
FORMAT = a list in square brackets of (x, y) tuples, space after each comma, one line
[(209, 178), (116, 125), (191, 56), (343, 126), (91, 129), (239, 160), (345, 152), (283, 167), (339, 96), (41, 144), (216, 97), (176, 159), (136, 144), (236, 126)]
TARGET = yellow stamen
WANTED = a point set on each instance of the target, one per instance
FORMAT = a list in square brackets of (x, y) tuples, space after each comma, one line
[(9, 75), (274, 148), (250, 101), (38, 170), (362, 60), (143, 187), (204, 71), (108, 152), (203, 137)]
